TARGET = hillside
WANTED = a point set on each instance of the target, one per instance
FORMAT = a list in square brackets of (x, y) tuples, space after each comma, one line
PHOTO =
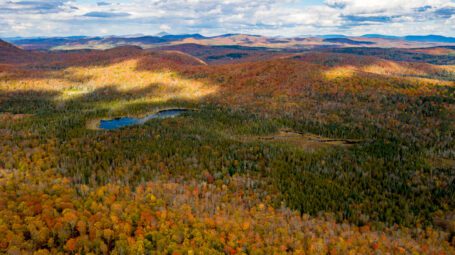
[(243, 40), (279, 152), (410, 55), (223, 54), (12, 54)]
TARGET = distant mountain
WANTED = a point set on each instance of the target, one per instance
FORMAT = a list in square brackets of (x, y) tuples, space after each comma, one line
[(160, 34), (430, 38), (390, 37), (331, 36), (43, 43), (132, 35), (46, 43), (163, 39), (347, 41), (224, 35), (414, 38), (151, 39), (233, 35), (11, 39), (31, 40), (132, 40), (182, 37)]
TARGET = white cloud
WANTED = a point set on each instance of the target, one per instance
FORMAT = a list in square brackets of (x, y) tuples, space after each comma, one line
[(165, 27), (271, 17)]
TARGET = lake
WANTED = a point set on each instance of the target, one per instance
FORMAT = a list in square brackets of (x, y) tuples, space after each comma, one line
[(128, 121)]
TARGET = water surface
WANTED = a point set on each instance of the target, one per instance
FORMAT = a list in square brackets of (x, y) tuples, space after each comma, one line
[(127, 121)]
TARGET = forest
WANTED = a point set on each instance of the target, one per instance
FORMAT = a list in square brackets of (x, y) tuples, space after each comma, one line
[(318, 152)]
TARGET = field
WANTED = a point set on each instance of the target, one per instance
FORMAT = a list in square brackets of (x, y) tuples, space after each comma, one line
[(314, 152)]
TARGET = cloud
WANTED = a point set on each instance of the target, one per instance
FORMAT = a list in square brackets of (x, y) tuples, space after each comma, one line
[(106, 14), (361, 20), (103, 3), (355, 13), (423, 8), (165, 27), (270, 17), (42, 7), (445, 12)]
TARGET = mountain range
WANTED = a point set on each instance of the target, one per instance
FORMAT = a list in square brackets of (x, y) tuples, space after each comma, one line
[(162, 39)]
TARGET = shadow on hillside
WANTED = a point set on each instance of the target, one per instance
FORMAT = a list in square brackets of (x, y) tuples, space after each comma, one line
[(27, 101), (112, 92), (54, 102), (47, 62), (55, 65), (78, 58)]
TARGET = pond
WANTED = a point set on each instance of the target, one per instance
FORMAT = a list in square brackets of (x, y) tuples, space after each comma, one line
[(127, 121)]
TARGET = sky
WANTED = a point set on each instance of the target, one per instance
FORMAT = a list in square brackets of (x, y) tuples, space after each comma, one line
[(29, 18)]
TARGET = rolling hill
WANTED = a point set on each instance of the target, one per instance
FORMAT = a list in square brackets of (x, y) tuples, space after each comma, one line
[(12, 54), (280, 150), (347, 41), (83, 42)]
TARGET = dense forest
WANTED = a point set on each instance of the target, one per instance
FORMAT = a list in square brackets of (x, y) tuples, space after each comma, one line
[(436, 56), (291, 153)]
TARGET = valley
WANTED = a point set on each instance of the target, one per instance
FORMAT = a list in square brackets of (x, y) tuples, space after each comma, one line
[(334, 150)]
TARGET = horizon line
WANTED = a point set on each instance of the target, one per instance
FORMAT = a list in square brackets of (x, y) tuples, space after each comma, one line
[(224, 34)]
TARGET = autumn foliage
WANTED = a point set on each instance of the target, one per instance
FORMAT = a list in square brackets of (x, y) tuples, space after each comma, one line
[(214, 181)]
